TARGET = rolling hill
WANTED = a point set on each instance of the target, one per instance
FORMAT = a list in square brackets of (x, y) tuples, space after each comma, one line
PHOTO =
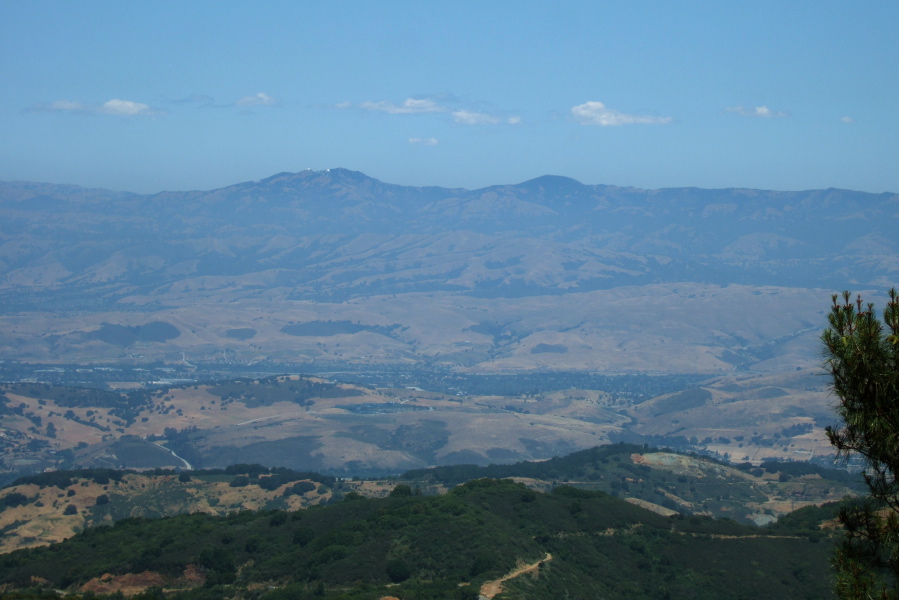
[(471, 541), (50, 507)]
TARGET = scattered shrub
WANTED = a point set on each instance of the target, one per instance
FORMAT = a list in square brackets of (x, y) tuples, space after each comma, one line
[(398, 570), (401, 490), (14, 499)]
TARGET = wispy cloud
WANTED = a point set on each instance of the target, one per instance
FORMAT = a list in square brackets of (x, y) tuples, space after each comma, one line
[(259, 99), (411, 106), (115, 107), (67, 106), (418, 106), (759, 111), (597, 113), (424, 141), (125, 108), (847, 119), (474, 118)]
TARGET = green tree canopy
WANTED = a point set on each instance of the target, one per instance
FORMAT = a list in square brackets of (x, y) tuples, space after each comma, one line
[(862, 355)]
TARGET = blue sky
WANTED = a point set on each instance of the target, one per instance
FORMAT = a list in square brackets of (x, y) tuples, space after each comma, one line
[(152, 96)]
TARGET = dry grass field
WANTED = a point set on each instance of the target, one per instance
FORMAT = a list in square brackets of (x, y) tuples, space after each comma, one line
[(758, 346), (43, 519), (748, 418), (357, 429), (662, 328)]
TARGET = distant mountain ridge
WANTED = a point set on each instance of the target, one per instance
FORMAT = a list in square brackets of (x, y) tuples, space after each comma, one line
[(819, 237), (338, 236)]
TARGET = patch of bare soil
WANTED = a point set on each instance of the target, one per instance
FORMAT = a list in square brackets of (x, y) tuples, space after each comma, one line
[(129, 584), (656, 508), (678, 463), (135, 583), (191, 577)]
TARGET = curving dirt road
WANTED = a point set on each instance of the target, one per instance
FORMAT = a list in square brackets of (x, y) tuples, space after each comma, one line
[(492, 588)]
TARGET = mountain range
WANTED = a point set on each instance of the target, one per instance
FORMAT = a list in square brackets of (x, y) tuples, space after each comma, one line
[(548, 274), (403, 289), (339, 233)]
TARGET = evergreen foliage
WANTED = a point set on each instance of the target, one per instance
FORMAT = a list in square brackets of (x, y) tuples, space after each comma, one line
[(270, 390), (863, 360), (63, 479)]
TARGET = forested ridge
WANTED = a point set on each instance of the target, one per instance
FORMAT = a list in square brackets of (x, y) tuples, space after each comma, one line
[(411, 546), (595, 461)]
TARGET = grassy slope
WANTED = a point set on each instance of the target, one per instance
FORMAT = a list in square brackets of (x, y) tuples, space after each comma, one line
[(35, 512)]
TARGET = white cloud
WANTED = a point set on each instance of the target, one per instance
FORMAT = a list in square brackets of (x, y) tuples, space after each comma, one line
[(418, 106), (115, 107), (759, 111), (847, 119), (343, 105), (411, 106), (473, 118), (596, 113), (125, 108), (424, 141), (259, 99)]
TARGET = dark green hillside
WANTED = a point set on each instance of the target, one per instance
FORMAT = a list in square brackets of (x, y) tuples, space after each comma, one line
[(575, 466), (268, 391), (702, 485), (592, 463), (426, 546), (126, 406)]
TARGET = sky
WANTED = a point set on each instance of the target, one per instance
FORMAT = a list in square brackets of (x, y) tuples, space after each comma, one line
[(150, 96)]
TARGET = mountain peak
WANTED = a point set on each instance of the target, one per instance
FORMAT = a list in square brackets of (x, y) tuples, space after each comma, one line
[(552, 181), (340, 173)]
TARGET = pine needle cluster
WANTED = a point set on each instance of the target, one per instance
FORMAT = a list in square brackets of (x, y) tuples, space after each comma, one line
[(862, 355)]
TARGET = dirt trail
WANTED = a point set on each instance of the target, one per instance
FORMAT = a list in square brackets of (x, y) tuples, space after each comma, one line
[(492, 588)]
